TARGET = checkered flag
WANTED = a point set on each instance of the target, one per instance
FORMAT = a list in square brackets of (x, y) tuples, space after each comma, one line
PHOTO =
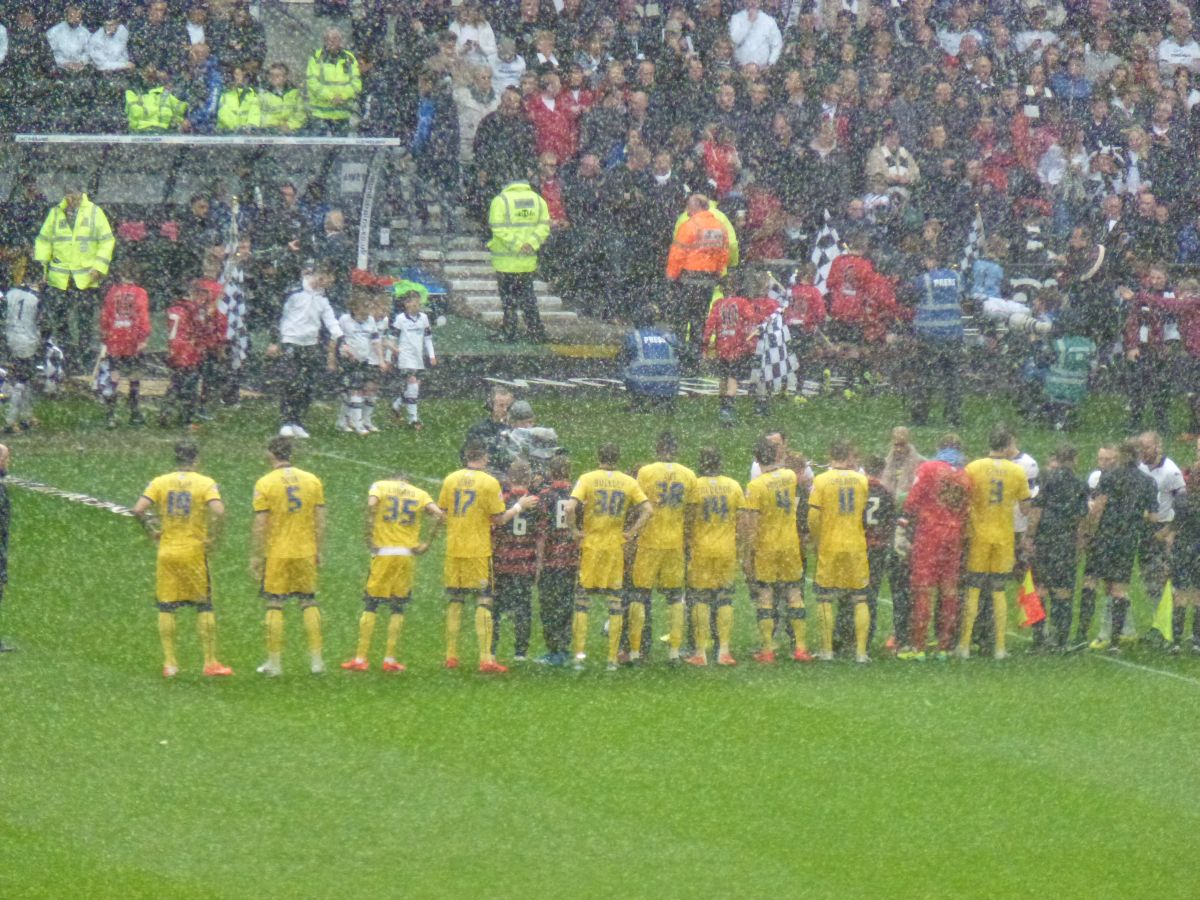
[(971, 251), (826, 248), (776, 360), (232, 304), (53, 369)]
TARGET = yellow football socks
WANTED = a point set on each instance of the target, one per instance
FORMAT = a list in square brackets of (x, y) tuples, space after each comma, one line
[(579, 629), (366, 627), (454, 611), (274, 634), (1000, 618), (700, 627), (968, 620), (395, 627), (615, 621), (675, 619), (825, 611), (766, 629), (862, 627), (483, 632), (206, 627), (312, 628), (799, 627), (637, 621), (166, 633), (724, 627)]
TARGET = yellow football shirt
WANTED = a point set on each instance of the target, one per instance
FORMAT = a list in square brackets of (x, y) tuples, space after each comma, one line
[(182, 500), (398, 513), (291, 497), (773, 496), (835, 512), (997, 485), (714, 529), (669, 487), (470, 498), (606, 496)]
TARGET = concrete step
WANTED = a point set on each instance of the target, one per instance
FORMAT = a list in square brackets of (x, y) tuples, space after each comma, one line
[(460, 256), (489, 286), (430, 255), (468, 270), (443, 242), (482, 302), (492, 316)]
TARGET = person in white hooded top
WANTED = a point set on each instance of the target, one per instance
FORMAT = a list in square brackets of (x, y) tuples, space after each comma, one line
[(108, 47)]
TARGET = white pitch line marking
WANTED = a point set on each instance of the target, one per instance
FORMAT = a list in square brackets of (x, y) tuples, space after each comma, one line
[(370, 465), (1150, 669)]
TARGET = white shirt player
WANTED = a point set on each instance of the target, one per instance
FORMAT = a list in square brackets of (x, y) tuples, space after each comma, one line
[(414, 341), (21, 322), (1032, 473), (362, 341), (1169, 481)]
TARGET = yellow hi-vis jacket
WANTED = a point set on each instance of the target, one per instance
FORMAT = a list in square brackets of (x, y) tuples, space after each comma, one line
[(154, 110), (734, 251), (281, 112), (71, 250), (518, 216), (238, 110), (332, 83)]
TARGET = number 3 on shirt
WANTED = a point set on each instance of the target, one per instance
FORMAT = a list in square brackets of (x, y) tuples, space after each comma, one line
[(610, 503), (996, 494)]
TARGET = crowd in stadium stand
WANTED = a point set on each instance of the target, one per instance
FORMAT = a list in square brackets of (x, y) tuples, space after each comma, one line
[(1040, 153)]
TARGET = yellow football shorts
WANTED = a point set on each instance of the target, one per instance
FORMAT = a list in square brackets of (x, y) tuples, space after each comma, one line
[(842, 571), (183, 578), (601, 569), (990, 558), (658, 567), (711, 573), (468, 573), (779, 566), (391, 577), (286, 576)]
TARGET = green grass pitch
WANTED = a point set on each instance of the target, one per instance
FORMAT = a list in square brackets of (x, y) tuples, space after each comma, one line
[(1071, 777)]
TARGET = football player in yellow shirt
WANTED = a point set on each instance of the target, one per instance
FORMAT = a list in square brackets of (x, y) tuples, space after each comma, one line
[(997, 486), (186, 523), (288, 537), (607, 497), (836, 505), (771, 554), (659, 562), (395, 511), (713, 559), (472, 502)]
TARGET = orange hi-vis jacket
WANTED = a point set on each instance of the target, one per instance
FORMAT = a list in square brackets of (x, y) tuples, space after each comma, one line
[(701, 245)]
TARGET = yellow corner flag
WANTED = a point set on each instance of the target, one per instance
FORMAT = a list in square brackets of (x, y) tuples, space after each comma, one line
[(1162, 616)]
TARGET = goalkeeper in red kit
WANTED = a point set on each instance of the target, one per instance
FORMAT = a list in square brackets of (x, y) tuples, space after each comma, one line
[(124, 331)]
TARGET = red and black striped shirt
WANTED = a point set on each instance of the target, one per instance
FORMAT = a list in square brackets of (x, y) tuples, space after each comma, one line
[(514, 544), (560, 552)]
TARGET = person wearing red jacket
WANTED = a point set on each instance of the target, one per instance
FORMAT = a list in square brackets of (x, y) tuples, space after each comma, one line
[(1150, 329), (124, 331), (862, 303), (188, 330), (214, 340), (805, 311), (1183, 308), (555, 121), (730, 336)]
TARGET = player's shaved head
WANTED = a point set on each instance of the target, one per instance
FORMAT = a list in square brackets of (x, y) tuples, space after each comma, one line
[(708, 461), (766, 452), (475, 451), (950, 441), (667, 446), (1127, 452), (841, 450), (1066, 455), (1000, 439), (280, 448), (559, 468), (609, 455), (873, 465), (186, 452), (519, 473)]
